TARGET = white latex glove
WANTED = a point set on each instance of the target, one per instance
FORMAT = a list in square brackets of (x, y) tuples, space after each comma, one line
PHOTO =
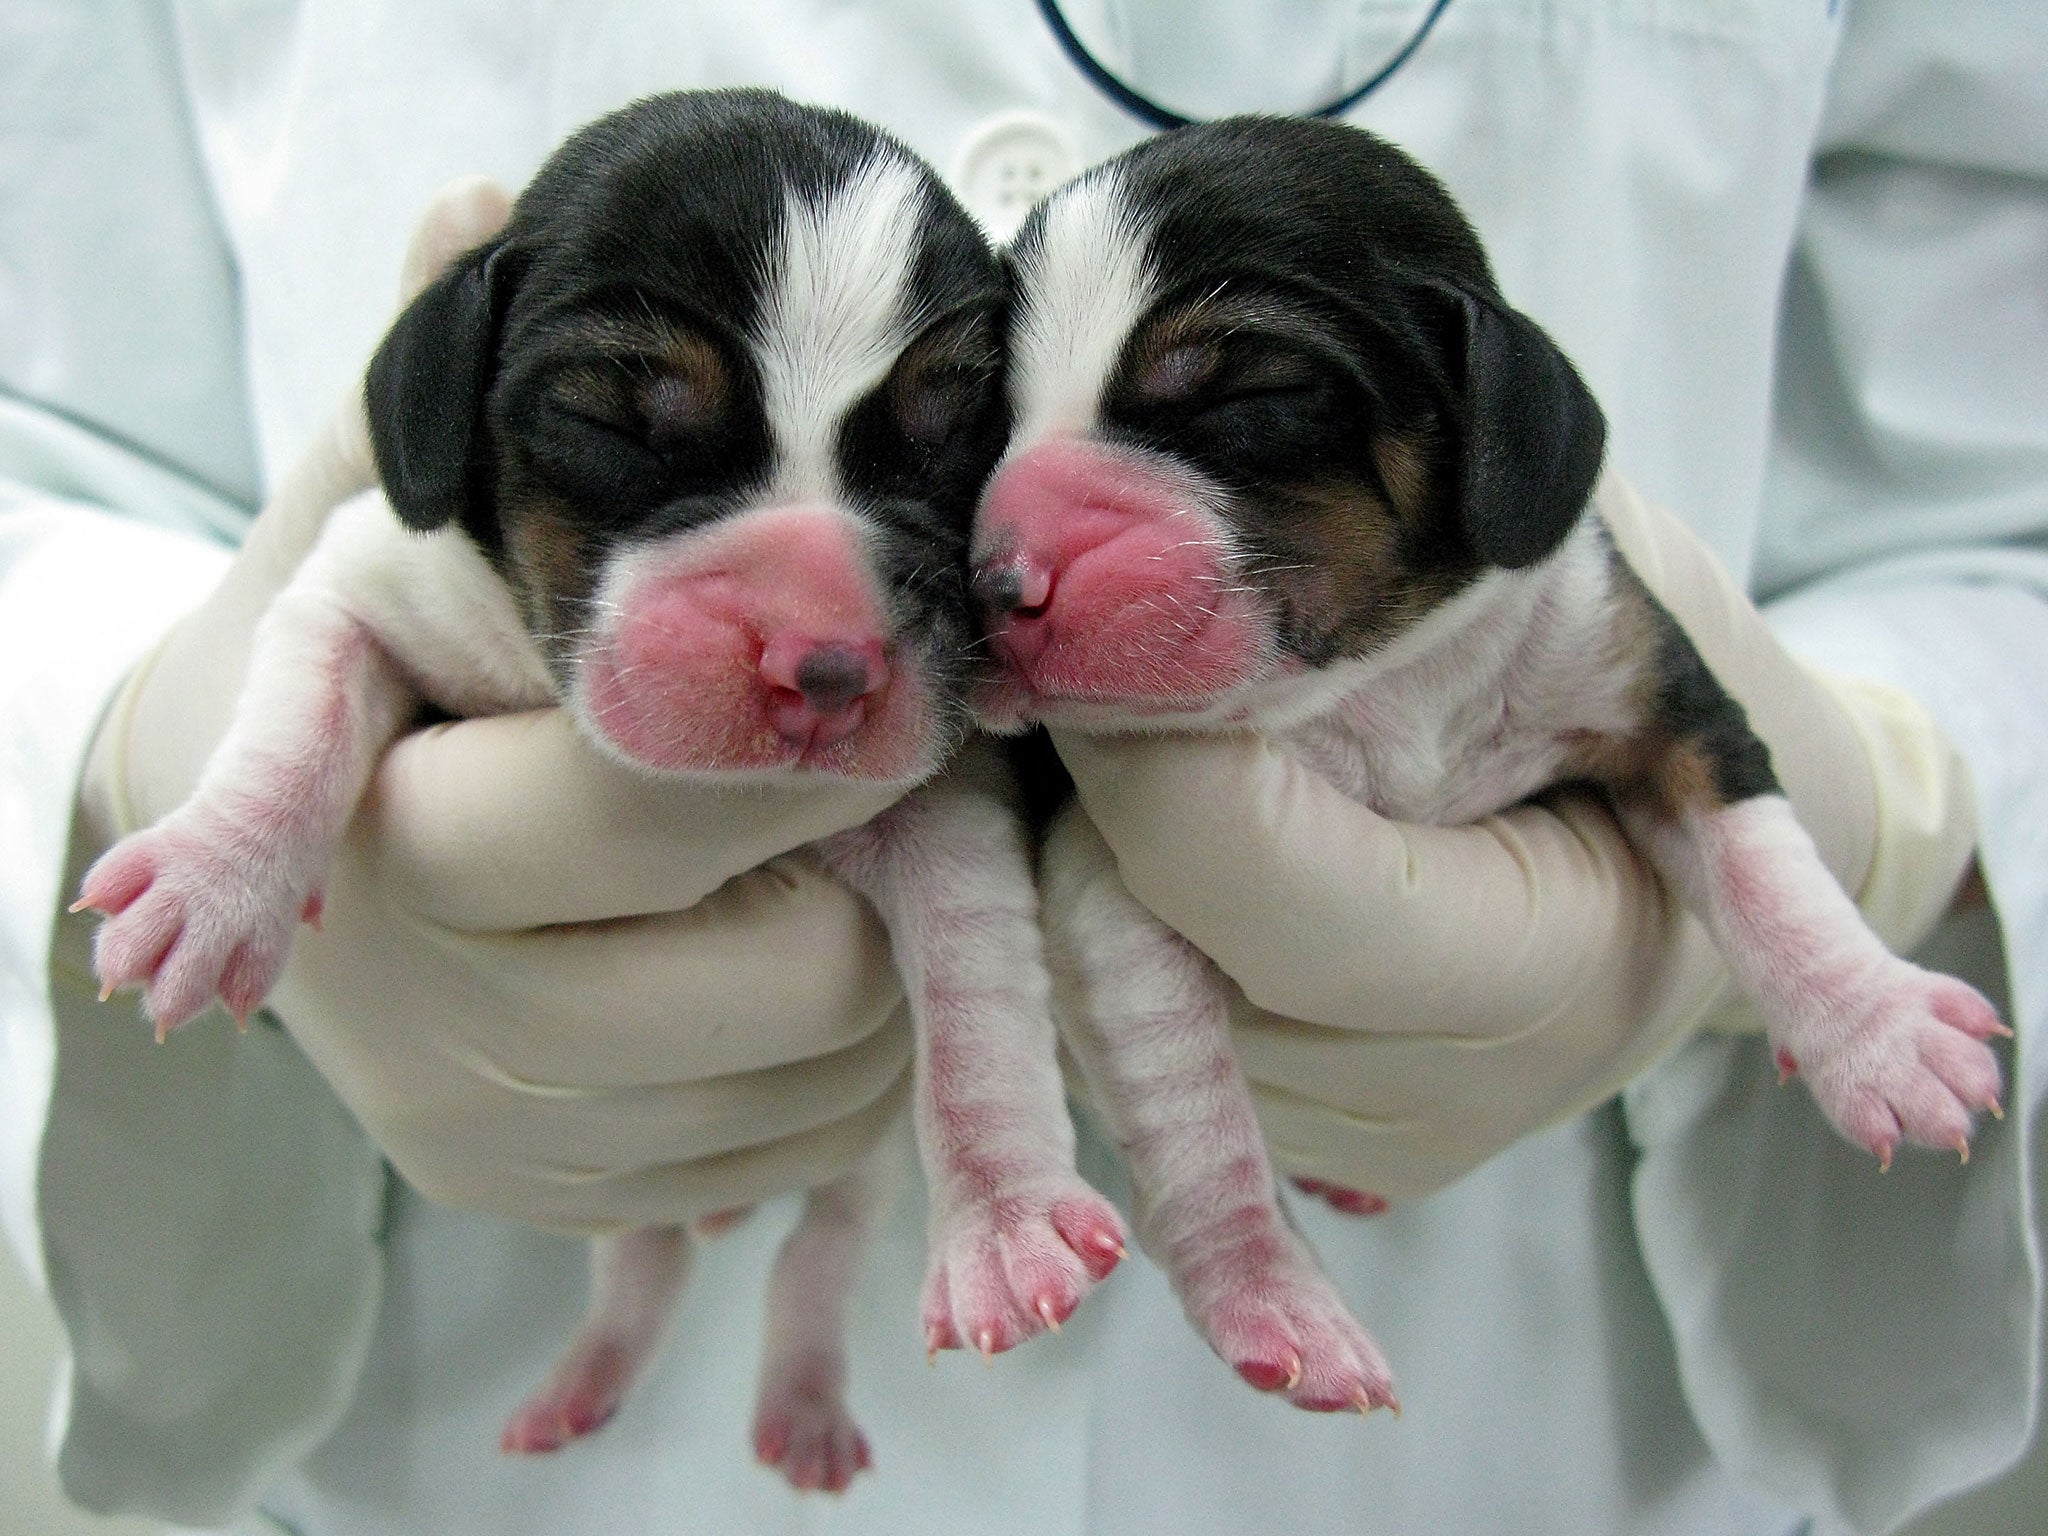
[(1415, 999), (550, 988)]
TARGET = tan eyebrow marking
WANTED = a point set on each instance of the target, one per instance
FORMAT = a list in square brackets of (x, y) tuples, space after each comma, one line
[(662, 369), (1178, 349)]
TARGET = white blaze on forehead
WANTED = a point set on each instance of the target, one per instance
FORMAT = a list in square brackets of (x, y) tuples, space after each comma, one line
[(1084, 288), (833, 318)]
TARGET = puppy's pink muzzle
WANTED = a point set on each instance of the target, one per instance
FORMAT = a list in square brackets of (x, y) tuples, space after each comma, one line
[(1103, 577), (759, 642)]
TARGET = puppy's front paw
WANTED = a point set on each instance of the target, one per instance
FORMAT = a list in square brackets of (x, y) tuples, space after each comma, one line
[(801, 1425), (196, 908), (1263, 1303), (1015, 1261), (1900, 1058)]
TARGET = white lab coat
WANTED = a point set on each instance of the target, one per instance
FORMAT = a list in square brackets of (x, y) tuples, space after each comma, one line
[(1699, 1313)]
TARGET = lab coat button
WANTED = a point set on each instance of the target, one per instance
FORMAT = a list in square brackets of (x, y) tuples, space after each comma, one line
[(1009, 163)]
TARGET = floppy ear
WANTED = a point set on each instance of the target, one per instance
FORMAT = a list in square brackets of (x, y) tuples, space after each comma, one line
[(425, 392), (1533, 436)]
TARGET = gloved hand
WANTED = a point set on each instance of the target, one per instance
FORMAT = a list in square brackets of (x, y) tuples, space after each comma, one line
[(1415, 999), (546, 985)]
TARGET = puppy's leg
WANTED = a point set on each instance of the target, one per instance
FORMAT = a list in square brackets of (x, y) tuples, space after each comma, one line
[(1891, 1052), (1150, 1027), (204, 903), (801, 1423), (1017, 1238), (635, 1279)]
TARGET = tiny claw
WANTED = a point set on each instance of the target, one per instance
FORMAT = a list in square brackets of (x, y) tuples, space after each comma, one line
[(1357, 1202), (717, 1223), (1045, 1310), (1394, 1407), (931, 1356), (1122, 1253), (163, 1033), (1293, 1372), (106, 991), (83, 904), (1997, 1110), (1884, 1158), (987, 1344), (1963, 1149), (1363, 1400)]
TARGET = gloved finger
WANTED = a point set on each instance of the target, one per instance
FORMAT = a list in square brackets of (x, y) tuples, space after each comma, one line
[(781, 966), (570, 1140), (1403, 1115), (1320, 909), (1398, 1159), (540, 1075), (601, 1000), (337, 464), (517, 820), (462, 215), (679, 1192), (598, 1202)]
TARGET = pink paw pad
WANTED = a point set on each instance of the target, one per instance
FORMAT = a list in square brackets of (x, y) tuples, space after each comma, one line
[(1279, 1323), (802, 1427), (1905, 1061), (191, 917), (1016, 1264)]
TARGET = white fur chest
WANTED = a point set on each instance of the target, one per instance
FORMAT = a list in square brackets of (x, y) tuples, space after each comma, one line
[(1484, 702), (1404, 754), (436, 606)]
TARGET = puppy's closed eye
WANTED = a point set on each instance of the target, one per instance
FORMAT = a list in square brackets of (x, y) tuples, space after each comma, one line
[(627, 424), (1199, 371), (676, 407), (943, 377)]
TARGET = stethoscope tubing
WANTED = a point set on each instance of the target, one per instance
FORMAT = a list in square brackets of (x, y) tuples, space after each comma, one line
[(1145, 108)]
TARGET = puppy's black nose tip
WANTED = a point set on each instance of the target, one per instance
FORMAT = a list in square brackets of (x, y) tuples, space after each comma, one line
[(999, 589), (832, 677), (1018, 588)]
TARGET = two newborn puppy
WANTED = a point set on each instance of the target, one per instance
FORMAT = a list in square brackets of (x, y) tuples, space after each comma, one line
[(738, 442)]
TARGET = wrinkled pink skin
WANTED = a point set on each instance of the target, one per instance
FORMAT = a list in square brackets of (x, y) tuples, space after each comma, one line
[(1124, 596), (760, 643)]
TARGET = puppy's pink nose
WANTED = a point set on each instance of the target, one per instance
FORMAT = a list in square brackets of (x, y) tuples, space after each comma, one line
[(1016, 596), (820, 690)]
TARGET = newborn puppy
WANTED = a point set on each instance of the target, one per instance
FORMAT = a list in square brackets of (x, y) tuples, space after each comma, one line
[(1283, 459), (692, 449)]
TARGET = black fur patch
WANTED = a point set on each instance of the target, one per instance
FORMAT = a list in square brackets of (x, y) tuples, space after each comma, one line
[(424, 397), (1689, 709)]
